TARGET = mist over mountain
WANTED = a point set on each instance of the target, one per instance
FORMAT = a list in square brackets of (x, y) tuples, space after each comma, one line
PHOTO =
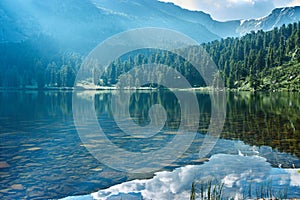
[(82, 24)]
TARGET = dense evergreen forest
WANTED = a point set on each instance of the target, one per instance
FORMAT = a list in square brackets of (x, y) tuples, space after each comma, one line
[(257, 61), (260, 61)]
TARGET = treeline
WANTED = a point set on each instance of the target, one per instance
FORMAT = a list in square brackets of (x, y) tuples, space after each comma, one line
[(256, 57), (36, 63), (139, 58), (257, 61)]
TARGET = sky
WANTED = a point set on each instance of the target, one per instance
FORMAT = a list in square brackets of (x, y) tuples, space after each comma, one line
[(224, 10)]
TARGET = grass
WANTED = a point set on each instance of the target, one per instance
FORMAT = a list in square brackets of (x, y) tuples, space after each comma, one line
[(264, 190), (211, 190), (214, 190)]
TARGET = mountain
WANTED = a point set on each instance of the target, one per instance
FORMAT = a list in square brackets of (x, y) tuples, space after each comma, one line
[(16, 25), (73, 22), (82, 24), (161, 14), (266, 61), (277, 18), (42, 43)]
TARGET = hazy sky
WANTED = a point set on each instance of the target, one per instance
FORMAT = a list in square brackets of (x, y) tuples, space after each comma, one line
[(235, 9)]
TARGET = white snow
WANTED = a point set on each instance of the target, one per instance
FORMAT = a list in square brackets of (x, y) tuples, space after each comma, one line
[(232, 170)]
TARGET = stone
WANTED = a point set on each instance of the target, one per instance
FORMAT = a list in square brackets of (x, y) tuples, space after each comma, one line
[(33, 149), (17, 187), (4, 164), (96, 169)]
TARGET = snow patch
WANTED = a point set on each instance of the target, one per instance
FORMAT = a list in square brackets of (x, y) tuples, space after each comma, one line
[(239, 172)]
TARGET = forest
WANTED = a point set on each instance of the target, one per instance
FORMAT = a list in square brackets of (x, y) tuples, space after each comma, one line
[(260, 61), (267, 61)]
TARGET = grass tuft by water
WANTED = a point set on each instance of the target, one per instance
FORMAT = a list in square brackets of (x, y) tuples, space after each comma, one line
[(210, 190), (214, 190)]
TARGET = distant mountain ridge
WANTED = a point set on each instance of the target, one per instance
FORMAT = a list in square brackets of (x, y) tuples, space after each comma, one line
[(84, 23), (277, 18)]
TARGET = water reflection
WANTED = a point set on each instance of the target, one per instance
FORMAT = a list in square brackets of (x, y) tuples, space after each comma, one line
[(270, 119), (41, 155), (138, 148)]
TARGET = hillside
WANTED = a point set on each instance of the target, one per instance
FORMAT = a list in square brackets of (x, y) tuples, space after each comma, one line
[(277, 18), (79, 25), (267, 61), (42, 43), (260, 61), (257, 61)]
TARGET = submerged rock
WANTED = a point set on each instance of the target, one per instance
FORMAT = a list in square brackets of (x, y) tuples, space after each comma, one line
[(17, 187), (4, 164)]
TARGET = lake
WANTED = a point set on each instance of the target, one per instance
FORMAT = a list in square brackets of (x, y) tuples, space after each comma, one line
[(44, 153)]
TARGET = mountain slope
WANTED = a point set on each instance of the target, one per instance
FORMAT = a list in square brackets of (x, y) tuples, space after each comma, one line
[(277, 18), (81, 24), (16, 25), (74, 23)]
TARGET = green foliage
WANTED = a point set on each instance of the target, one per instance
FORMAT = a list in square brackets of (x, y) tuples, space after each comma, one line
[(257, 61), (253, 62), (137, 59)]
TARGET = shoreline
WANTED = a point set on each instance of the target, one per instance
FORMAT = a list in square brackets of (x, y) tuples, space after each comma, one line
[(113, 88)]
